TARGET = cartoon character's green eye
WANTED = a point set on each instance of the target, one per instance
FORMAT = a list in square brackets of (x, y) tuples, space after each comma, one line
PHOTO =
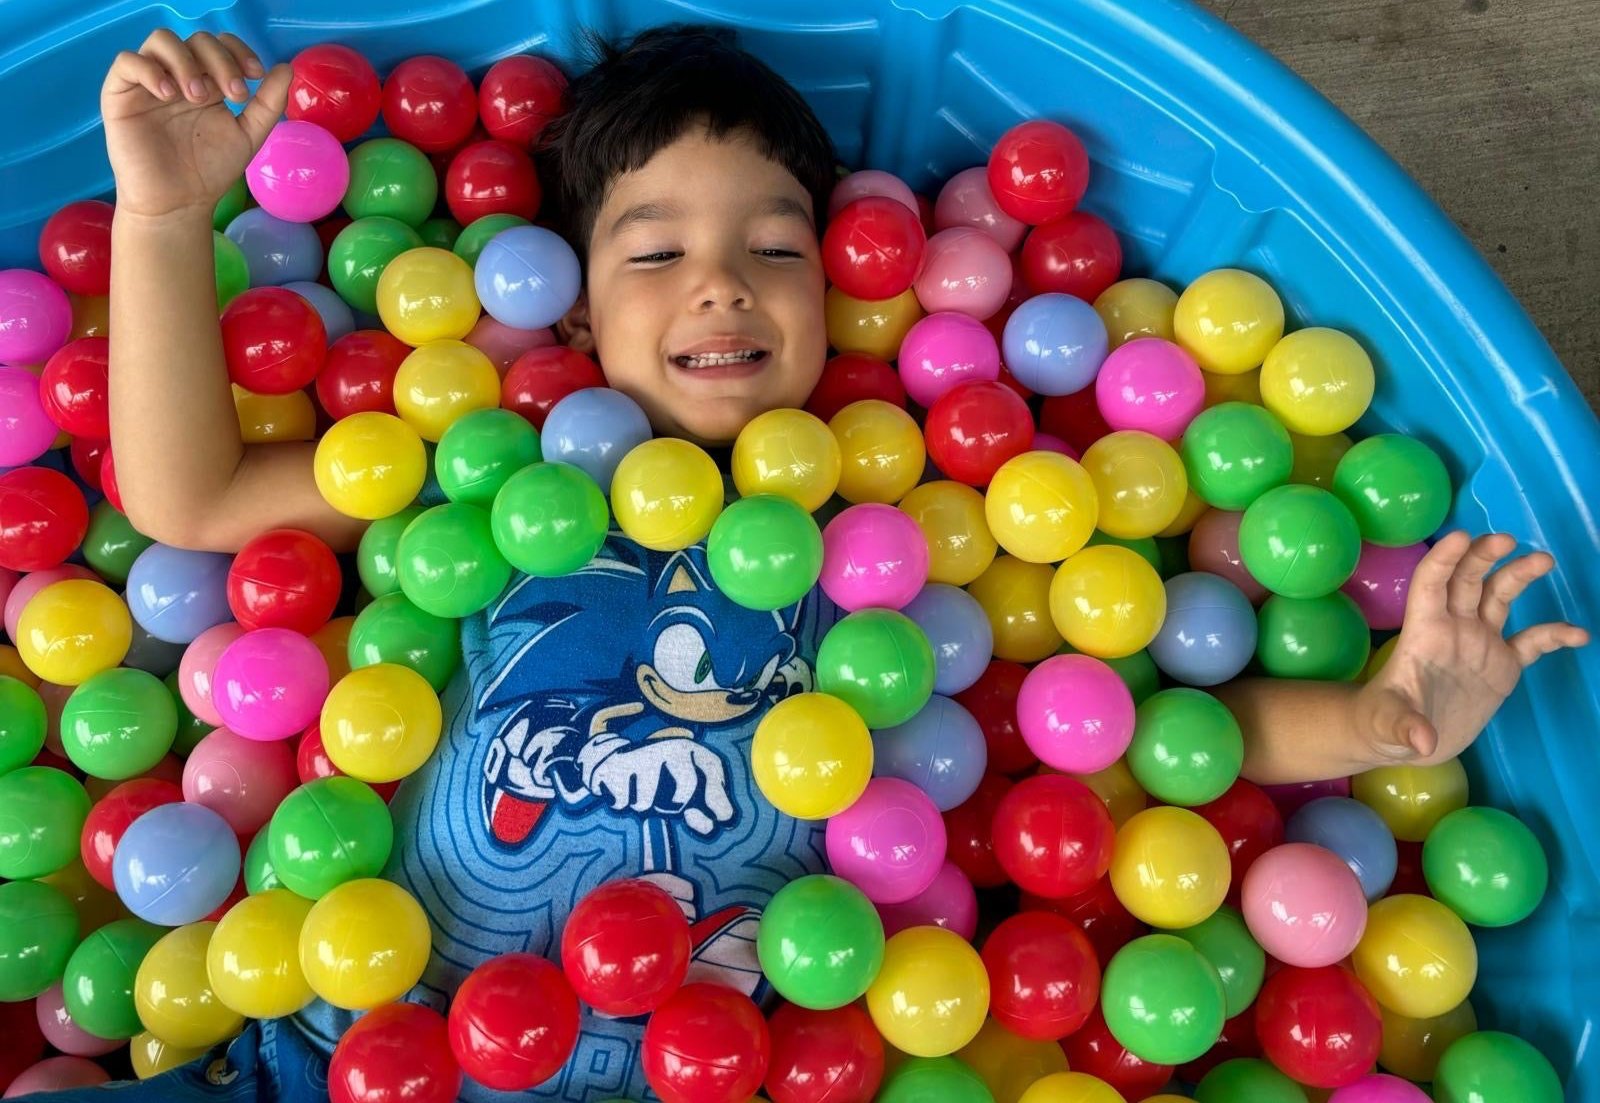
[(703, 670), (682, 660)]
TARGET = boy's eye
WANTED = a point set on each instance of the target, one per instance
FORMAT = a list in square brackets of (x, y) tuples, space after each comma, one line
[(652, 258), (660, 258)]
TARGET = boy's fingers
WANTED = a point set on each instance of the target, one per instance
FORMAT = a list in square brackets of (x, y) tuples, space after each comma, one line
[(249, 63), (129, 70), (1532, 643), (220, 65), (1508, 583), (170, 51), (261, 114), (1466, 582), (1431, 579)]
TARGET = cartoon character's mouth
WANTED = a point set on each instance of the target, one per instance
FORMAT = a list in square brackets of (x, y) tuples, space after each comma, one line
[(702, 706)]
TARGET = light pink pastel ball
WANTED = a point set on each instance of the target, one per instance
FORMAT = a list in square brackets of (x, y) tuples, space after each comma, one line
[(199, 665), (859, 185), (964, 270), (1304, 905), (966, 200), (1382, 583), (949, 902), (34, 581), (242, 780), (56, 1074), (502, 344), (56, 1024), (1214, 548)]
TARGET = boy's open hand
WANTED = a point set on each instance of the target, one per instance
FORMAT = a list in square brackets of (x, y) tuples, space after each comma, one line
[(1452, 666), (173, 143)]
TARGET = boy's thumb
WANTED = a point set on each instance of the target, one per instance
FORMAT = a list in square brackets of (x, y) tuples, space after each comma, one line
[(1401, 733), (265, 108)]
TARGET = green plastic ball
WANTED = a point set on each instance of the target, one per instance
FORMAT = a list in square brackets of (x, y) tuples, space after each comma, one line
[(765, 552), (23, 724), (1187, 748), (98, 984), (392, 630), (933, 1080), (377, 556), (1491, 1067), (38, 929), (112, 543), (327, 832), (360, 253), (1173, 552), (549, 519), (1225, 941), (1323, 638), (440, 232), (1144, 546), (1234, 453), (1138, 672), (477, 233), (259, 875), (878, 662), (118, 724), (234, 202), (820, 942), (191, 729), (390, 178), (1486, 866), (1397, 488), (1299, 541), (480, 451), (1247, 1080), (448, 563), (41, 816), (1162, 1000), (230, 269)]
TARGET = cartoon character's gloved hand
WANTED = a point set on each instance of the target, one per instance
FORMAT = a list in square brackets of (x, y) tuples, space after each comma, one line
[(537, 764), (669, 775)]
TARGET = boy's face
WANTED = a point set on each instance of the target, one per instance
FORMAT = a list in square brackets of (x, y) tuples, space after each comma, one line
[(708, 248)]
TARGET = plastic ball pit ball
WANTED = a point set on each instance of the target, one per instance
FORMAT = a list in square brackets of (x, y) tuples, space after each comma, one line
[(625, 948), (823, 1056), (942, 350), (1078, 254), (873, 248), (401, 1051), (549, 519), (447, 561), (940, 750), (873, 556), (1140, 483), (1107, 601), (1186, 747), (390, 178), (1170, 867), (811, 756), (327, 832), (370, 465), (1228, 320), (592, 429), (336, 88), (1304, 905), (705, 1044), (300, 172), (75, 247), (1075, 714), (1412, 799), (1397, 488), (890, 843), (881, 451), (1417, 958), (40, 931), (1054, 344), (1493, 1067), (269, 684), (430, 102), (1317, 381), (949, 902), (513, 1022), (931, 995), (252, 958), (1208, 636), (364, 944), (1318, 1025), (975, 427), (1299, 541), (491, 179), (176, 863), (879, 663), (173, 995), (965, 270), (820, 942), (666, 494), (1247, 1078), (357, 259), (1234, 453), (1052, 835), (958, 632), (37, 316), (1038, 171), (1041, 507), (285, 578), (527, 277), (97, 985), (44, 519), (1486, 866), (1354, 832), (1044, 981), (1162, 999), (518, 95)]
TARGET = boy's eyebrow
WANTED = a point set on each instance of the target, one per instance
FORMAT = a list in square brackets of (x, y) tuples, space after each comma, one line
[(781, 205)]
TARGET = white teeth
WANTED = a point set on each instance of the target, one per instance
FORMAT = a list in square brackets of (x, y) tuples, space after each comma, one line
[(717, 359)]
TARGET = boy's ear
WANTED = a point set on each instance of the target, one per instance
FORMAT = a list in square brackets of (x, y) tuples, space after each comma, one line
[(573, 329)]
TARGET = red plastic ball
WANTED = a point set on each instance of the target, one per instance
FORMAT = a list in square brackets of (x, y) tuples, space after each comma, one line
[(992, 701), (1075, 418), (240, 891), (625, 948), (108, 481), (1044, 980), (398, 1053), (358, 373), (328, 229), (430, 102), (1248, 822), (1238, 1040), (1319, 1026), (513, 1022), (1038, 171), (273, 341), (969, 833), (1076, 255), (42, 518), (21, 1040), (491, 177), (311, 761), (1408, 877), (88, 458), (518, 95), (1014, 383), (75, 247), (110, 817), (1098, 913), (285, 578), (851, 377), (975, 427), (706, 1044), (541, 377), (1053, 835), (873, 248), (823, 1056), (73, 388), (1093, 1050), (336, 88)]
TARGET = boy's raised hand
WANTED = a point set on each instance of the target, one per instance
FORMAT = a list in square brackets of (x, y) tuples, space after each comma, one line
[(1452, 666), (173, 143)]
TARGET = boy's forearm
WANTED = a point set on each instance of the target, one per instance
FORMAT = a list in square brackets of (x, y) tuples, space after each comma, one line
[(1297, 731)]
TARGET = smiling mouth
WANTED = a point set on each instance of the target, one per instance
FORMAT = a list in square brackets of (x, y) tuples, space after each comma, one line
[(708, 360)]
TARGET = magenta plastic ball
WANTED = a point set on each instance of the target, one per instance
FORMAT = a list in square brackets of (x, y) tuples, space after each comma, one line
[(966, 200), (1382, 582), (300, 172), (859, 185), (198, 667), (1044, 442), (943, 350), (1151, 385), (56, 1074), (890, 843), (56, 1024), (26, 431), (1304, 905), (964, 270), (949, 902), (242, 780), (270, 684), (34, 581), (1214, 548), (873, 557), (1075, 714), (35, 318), (1380, 1088)]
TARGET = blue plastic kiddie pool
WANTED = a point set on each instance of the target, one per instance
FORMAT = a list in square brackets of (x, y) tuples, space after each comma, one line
[(1206, 152)]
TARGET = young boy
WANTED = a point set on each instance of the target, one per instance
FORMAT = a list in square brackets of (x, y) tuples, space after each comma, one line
[(600, 726)]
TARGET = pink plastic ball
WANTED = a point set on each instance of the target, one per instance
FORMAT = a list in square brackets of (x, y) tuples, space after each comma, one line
[(1304, 905), (1044, 442), (242, 780), (890, 843), (35, 318), (1151, 385), (1214, 548), (873, 557), (966, 200), (964, 270), (859, 185), (1380, 1088), (198, 667), (34, 581), (949, 902), (1382, 583), (56, 1024), (300, 172), (57, 1074), (943, 350), (26, 431), (270, 684), (1075, 714), (502, 344)]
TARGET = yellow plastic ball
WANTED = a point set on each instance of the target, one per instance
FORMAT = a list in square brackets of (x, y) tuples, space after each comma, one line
[(12, 666), (440, 383), (253, 962), (1194, 507), (666, 493), (1041, 506), (1136, 308), (812, 756), (951, 516), (1009, 1063), (72, 630), (381, 723), (1107, 601), (789, 453), (151, 1056), (1411, 799), (1115, 785), (333, 640), (266, 418), (364, 944), (427, 295), (173, 994), (1412, 1047), (1317, 381), (1140, 481), (881, 451), (1416, 957), (931, 995), (875, 327), (1170, 868), (1071, 1087), (96, 905), (1379, 658), (1244, 387), (1228, 320), (1015, 596), (370, 465), (1316, 457), (91, 315)]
